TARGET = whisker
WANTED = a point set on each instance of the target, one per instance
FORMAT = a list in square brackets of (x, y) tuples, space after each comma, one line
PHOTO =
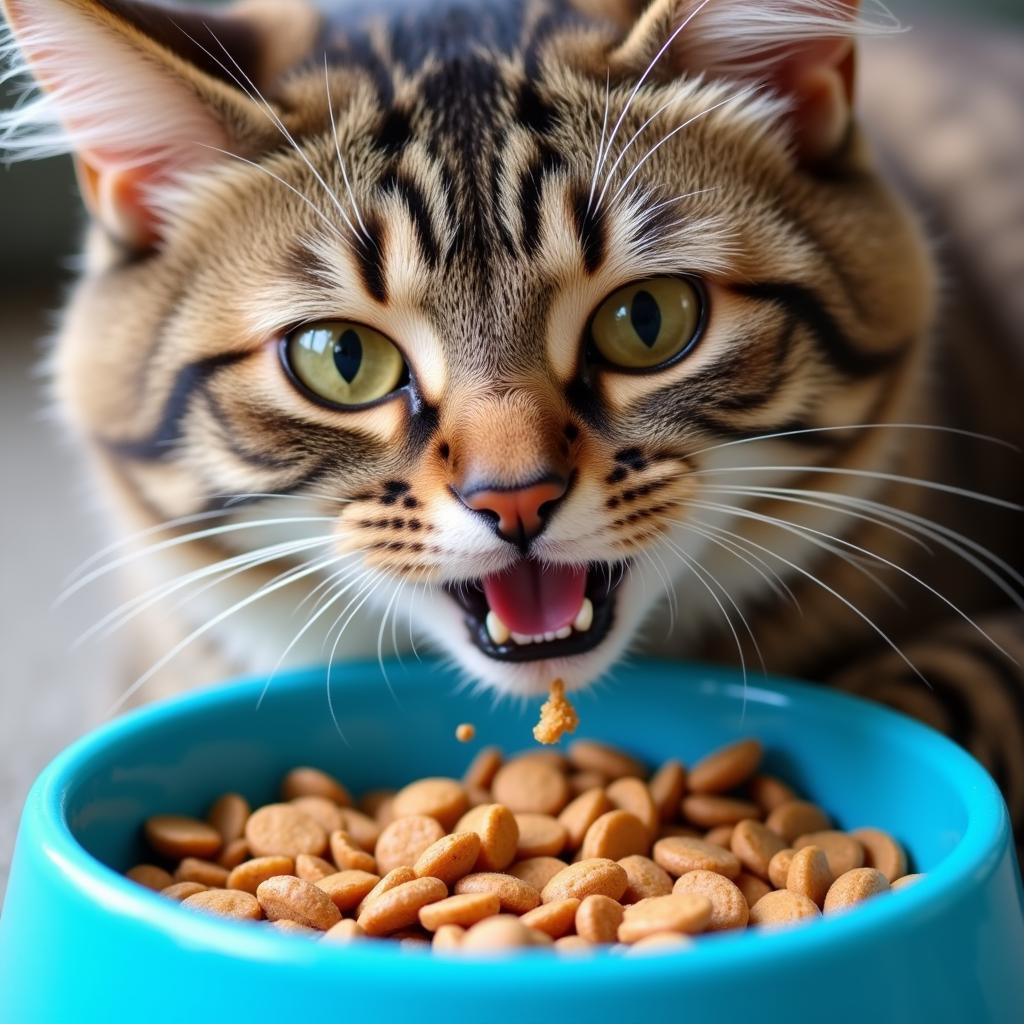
[(341, 162)]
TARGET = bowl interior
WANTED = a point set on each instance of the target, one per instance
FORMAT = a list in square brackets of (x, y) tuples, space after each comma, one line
[(867, 766)]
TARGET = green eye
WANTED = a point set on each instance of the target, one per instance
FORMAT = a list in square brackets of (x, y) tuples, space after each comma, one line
[(647, 323), (344, 363)]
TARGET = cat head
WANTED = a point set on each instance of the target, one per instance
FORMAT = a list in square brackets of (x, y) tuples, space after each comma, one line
[(505, 289)]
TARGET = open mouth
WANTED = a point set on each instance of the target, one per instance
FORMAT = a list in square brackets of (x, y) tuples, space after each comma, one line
[(536, 610)]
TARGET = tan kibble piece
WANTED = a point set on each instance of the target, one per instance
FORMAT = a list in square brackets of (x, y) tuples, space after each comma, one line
[(449, 858), (515, 895), (557, 716), (307, 781), (347, 889), (373, 801), (482, 769), (205, 872), (281, 829), (464, 909), (528, 784), (644, 879), (577, 817), (496, 826), (616, 834), (348, 855), (545, 755), (465, 732), (442, 799), (501, 933), (752, 887), (580, 782), (778, 867), (844, 853), (364, 830), (906, 881), (782, 908), (679, 854), (632, 794), (397, 876), (667, 786), (554, 919), (344, 931), (537, 871), (585, 878), (725, 768), (284, 924), (598, 919), (323, 811), (478, 796), (853, 887), (400, 907), (729, 908), (248, 876), (312, 869), (540, 835), (882, 852), (288, 898), (683, 912), (589, 755), (755, 845), (233, 854), (182, 890), (402, 842), (659, 942), (768, 792), (175, 836), (720, 835), (228, 816), (447, 938), (809, 874), (150, 876), (573, 945), (683, 831), (797, 818), (225, 903), (711, 811)]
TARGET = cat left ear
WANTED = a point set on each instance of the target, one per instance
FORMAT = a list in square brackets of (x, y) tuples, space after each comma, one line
[(802, 49), (143, 95)]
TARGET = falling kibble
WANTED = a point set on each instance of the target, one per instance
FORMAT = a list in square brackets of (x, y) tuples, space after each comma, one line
[(557, 716), (465, 732)]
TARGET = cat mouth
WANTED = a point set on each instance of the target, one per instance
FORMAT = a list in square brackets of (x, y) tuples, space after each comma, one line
[(536, 610)]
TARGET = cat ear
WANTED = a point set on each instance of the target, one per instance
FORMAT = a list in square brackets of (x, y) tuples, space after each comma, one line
[(802, 49), (143, 95)]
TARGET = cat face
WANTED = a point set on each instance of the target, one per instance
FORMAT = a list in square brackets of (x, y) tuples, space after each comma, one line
[(503, 297)]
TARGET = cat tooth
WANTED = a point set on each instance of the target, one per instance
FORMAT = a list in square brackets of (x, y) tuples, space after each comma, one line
[(584, 617), (547, 636), (522, 639), (496, 629), (564, 633)]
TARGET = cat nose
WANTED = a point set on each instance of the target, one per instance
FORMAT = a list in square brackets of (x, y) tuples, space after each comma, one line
[(519, 513)]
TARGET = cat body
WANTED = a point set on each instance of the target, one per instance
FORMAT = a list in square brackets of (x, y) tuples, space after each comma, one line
[(509, 207)]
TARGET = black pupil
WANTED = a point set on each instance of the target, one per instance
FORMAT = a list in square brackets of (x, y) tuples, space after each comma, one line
[(645, 317), (348, 355)]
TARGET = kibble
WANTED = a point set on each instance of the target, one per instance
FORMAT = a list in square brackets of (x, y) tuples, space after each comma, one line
[(572, 852), (557, 716), (465, 732)]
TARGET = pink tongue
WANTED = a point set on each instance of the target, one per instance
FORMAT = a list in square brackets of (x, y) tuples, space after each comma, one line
[(534, 598)]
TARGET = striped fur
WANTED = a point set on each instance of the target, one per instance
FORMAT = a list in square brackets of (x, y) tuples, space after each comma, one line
[(435, 171)]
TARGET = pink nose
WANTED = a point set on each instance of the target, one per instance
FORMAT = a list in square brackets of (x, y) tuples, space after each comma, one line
[(520, 512)]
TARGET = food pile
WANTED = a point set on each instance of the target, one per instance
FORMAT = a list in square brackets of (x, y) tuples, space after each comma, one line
[(568, 851)]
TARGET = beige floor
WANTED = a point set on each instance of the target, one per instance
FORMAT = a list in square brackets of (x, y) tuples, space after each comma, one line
[(48, 693)]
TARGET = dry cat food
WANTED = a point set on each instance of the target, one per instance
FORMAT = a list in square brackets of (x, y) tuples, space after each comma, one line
[(557, 716), (569, 851)]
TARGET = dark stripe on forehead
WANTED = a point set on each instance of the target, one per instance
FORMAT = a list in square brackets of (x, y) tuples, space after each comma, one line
[(832, 341), (370, 260), (590, 228), (416, 203), (531, 191), (191, 379)]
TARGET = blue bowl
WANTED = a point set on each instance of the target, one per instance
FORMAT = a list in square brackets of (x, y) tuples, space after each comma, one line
[(79, 943)]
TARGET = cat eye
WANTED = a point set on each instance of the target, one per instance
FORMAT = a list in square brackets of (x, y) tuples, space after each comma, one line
[(342, 363), (648, 323)]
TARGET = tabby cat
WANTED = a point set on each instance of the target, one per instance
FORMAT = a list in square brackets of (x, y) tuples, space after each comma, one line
[(543, 329)]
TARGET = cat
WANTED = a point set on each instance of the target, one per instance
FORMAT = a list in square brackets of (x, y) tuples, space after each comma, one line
[(544, 330)]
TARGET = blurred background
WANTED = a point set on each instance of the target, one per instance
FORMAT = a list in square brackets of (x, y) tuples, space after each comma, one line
[(49, 694)]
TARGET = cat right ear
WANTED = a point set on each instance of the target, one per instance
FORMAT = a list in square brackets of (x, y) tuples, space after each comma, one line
[(144, 95)]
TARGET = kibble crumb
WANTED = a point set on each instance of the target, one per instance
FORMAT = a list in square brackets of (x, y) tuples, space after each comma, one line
[(465, 732), (557, 716)]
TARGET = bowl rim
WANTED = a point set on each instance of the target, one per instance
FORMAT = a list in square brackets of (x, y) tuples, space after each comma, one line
[(983, 842)]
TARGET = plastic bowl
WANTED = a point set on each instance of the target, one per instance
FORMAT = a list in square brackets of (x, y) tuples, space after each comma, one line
[(79, 943)]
